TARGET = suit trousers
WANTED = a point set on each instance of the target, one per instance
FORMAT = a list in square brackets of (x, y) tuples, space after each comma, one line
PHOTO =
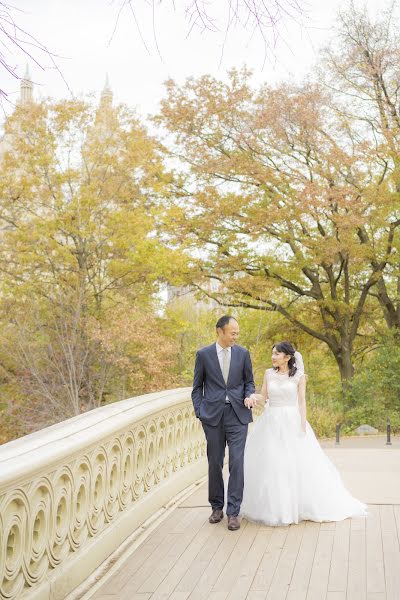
[(232, 433)]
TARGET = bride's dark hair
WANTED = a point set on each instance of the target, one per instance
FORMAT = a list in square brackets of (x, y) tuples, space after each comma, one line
[(287, 348)]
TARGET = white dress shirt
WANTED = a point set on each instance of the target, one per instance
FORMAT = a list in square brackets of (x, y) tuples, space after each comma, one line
[(220, 354)]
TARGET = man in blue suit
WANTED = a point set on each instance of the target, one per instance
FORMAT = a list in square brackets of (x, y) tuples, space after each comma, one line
[(223, 382)]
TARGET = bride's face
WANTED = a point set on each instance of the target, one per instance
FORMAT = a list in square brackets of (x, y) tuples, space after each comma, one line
[(279, 359)]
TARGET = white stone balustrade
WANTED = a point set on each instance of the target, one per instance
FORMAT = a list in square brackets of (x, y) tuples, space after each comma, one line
[(72, 493)]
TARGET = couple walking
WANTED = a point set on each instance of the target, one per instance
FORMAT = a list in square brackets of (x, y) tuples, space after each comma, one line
[(280, 475)]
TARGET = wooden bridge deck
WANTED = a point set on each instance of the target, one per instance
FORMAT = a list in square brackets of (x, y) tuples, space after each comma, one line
[(186, 558)]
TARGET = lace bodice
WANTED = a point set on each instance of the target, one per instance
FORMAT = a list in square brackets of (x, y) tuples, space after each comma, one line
[(282, 389)]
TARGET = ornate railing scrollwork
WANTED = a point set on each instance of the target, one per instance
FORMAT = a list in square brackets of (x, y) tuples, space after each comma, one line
[(63, 488)]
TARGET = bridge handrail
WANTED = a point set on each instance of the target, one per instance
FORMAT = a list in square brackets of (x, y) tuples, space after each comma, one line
[(78, 432), (70, 494)]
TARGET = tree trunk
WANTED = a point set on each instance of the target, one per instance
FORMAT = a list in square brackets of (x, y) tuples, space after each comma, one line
[(346, 368)]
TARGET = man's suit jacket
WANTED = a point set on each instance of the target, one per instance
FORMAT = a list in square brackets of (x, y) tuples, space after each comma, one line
[(210, 390)]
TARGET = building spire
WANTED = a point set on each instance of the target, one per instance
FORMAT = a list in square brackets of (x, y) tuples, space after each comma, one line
[(106, 94), (26, 94)]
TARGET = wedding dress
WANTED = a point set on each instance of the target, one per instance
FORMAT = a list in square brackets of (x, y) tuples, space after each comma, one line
[(287, 476)]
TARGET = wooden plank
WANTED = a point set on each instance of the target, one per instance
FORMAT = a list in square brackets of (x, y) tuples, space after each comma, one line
[(210, 575), (265, 572), (374, 550), (358, 523), (328, 526), (250, 565), (396, 510), (199, 498), (301, 574), (217, 595), (176, 573), (391, 552), (185, 521), (231, 571), (133, 597), (320, 570), (357, 575), (179, 595), (200, 563), (186, 558), (146, 550), (337, 581), (283, 573), (136, 580), (183, 536), (159, 557)]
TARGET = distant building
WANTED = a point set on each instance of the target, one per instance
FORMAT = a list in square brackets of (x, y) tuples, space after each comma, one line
[(26, 98), (186, 295), (26, 88)]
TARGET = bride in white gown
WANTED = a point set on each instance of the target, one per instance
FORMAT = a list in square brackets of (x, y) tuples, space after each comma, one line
[(287, 476)]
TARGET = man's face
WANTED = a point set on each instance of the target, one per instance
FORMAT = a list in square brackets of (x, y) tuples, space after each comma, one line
[(229, 334)]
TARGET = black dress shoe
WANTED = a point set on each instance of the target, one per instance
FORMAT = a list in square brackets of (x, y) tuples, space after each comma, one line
[(233, 523), (216, 516)]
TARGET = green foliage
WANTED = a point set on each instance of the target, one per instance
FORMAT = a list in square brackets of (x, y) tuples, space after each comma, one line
[(323, 418), (374, 395), (81, 192), (191, 325)]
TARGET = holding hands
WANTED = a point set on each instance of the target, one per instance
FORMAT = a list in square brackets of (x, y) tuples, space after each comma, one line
[(253, 399), (251, 402)]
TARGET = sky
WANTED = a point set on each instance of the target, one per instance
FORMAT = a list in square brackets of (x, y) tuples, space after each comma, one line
[(141, 49)]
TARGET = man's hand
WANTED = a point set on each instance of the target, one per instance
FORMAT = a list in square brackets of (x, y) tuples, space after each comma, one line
[(250, 402)]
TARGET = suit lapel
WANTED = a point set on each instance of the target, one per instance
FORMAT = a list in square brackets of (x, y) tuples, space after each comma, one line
[(232, 363), (218, 366)]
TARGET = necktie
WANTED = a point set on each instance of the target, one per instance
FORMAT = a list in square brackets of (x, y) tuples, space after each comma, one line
[(225, 364)]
